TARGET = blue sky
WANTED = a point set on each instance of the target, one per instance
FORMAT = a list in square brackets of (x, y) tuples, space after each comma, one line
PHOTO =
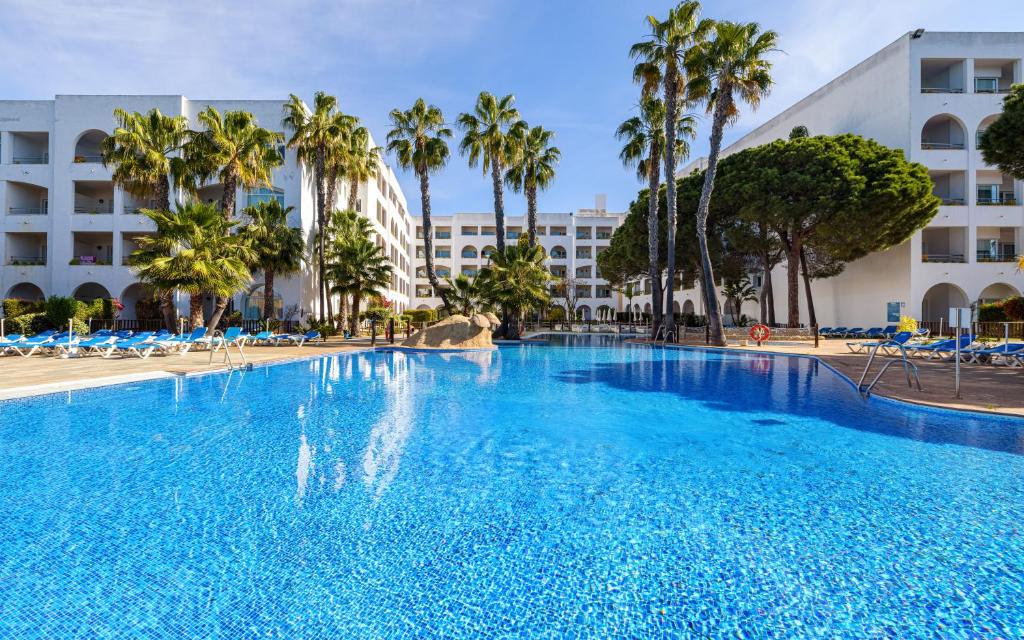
[(565, 61)]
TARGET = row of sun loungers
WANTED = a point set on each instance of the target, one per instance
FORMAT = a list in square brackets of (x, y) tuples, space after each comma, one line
[(874, 333), (971, 350), (107, 343)]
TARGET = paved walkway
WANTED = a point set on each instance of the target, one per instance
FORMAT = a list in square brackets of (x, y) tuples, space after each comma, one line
[(35, 375)]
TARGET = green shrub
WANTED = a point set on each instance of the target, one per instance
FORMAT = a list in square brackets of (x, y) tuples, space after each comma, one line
[(380, 314), (421, 315), (326, 329), (992, 312), (27, 323), (1013, 308), (59, 308), (98, 309), (14, 307)]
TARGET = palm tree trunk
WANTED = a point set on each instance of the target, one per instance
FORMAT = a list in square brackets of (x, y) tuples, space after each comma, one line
[(325, 300), (354, 318), (531, 213), (671, 106), (220, 305), (227, 199), (653, 237), (717, 331), (353, 193), (812, 319), (428, 242), (499, 205), (162, 195), (167, 310), (268, 294), (332, 188), (195, 310)]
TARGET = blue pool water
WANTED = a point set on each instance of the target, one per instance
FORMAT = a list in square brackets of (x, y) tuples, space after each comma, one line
[(539, 491)]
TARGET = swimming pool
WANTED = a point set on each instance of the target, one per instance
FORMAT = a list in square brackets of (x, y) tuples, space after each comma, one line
[(604, 490)]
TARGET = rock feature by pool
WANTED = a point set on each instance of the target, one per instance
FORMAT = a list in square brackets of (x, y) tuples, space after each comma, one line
[(454, 333)]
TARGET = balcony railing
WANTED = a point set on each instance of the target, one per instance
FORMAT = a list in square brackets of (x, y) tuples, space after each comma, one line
[(942, 145), (443, 254), (555, 255), (26, 261), (952, 202), (998, 256), (132, 210), (443, 235), (997, 202), (80, 159), (583, 236), (604, 235), (26, 211), (944, 257), (105, 209), (90, 261), (940, 90), (40, 159)]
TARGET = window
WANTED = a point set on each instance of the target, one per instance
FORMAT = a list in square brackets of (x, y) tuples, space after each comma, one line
[(264, 195), (986, 85)]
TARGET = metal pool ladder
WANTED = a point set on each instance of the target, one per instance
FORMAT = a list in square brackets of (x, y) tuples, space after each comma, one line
[(214, 345), (664, 336), (909, 368)]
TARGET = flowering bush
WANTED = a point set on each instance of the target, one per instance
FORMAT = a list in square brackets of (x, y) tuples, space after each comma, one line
[(907, 324)]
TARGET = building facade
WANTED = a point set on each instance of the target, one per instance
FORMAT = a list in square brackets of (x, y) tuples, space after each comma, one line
[(930, 94), (68, 230), (571, 241)]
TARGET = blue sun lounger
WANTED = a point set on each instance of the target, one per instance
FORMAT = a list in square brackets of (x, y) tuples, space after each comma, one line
[(10, 339), (129, 346), (38, 343), (1010, 354), (886, 345), (937, 349)]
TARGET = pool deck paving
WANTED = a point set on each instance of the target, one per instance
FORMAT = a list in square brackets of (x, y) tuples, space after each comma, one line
[(38, 375), (996, 389)]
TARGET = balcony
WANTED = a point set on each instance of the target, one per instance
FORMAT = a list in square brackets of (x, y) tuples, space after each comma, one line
[(584, 253), (94, 197), (30, 148), (25, 199), (470, 231), (942, 75), (92, 248), (87, 149), (996, 244), (943, 132), (443, 233), (944, 244), (995, 189), (583, 233), (604, 233), (993, 75), (950, 187), (558, 231), (558, 253), (25, 249)]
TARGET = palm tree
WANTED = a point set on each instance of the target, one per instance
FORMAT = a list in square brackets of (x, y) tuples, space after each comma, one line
[(142, 151), (344, 228), (737, 292), (362, 163), (314, 134), (194, 251), (533, 169), (279, 249), (644, 137), (464, 293), (660, 60), (730, 65), (517, 280), (360, 269), (417, 138), (338, 159), (239, 152), (236, 150), (492, 135)]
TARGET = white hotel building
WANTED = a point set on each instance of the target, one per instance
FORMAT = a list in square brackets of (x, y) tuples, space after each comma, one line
[(930, 94), (67, 230), (572, 241)]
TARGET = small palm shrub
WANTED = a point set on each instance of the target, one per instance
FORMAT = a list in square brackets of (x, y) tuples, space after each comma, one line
[(907, 323)]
